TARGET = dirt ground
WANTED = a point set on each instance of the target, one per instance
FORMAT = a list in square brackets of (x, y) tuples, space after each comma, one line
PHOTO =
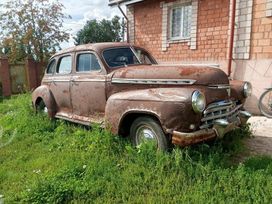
[(261, 143)]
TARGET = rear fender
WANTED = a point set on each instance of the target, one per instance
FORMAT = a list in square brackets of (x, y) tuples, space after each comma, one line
[(43, 93)]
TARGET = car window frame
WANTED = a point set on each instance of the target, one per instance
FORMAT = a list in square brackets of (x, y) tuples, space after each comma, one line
[(91, 71), (114, 48), (54, 70), (59, 60), (147, 52)]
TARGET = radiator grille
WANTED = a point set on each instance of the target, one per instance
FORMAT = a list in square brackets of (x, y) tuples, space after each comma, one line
[(219, 110)]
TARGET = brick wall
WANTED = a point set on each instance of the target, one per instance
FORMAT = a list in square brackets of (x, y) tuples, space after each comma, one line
[(243, 27), (261, 47), (211, 32), (258, 69), (5, 76), (253, 39)]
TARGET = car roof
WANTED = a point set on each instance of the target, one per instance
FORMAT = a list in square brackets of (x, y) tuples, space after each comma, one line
[(97, 47)]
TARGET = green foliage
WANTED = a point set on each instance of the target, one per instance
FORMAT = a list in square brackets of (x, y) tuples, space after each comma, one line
[(100, 31), (31, 28), (59, 162)]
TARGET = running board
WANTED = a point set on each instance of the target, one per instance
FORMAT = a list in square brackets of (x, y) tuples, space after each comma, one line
[(82, 122)]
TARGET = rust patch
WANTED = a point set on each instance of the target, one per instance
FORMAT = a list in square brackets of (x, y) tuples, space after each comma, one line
[(191, 71)]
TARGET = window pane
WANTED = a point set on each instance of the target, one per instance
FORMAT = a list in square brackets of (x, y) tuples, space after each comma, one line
[(176, 22), (143, 56), (51, 67), (87, 62), (120, 57), (187, 19), (181, 18), (65, 65)]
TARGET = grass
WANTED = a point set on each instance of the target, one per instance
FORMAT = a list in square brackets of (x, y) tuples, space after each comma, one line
[(58, 162)]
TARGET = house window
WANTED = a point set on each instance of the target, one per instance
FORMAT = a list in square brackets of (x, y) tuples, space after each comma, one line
[(180, 22), (269, 8)]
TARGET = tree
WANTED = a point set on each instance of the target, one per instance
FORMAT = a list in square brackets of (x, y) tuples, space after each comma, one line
[(31, 28), (100, 31)]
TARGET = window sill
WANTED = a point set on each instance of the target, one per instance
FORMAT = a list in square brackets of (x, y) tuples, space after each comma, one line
[(180, 40)]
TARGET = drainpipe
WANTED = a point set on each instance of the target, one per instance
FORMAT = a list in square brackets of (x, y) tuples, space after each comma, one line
[(125, 16), (231, 41)]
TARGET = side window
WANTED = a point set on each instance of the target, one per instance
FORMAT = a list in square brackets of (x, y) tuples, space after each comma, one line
[(65, 65), (144, 57), (87, 62), (51, 67)]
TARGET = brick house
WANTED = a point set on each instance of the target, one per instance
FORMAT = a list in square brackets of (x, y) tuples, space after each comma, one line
[(207, 32)]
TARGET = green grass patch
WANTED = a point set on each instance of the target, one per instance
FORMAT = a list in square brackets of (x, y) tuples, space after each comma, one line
[(58, 162)]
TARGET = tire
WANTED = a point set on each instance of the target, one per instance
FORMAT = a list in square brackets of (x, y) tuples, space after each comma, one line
[(152, 131), (41, 108), (265, 103)]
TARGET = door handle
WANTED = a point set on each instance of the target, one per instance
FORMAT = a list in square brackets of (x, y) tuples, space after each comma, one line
[(74, 82)]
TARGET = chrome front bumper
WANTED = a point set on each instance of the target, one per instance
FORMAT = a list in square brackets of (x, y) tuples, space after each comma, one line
[(219, 129)]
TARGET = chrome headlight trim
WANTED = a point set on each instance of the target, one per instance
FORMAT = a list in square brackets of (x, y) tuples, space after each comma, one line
[(247, 89), (198, 101)]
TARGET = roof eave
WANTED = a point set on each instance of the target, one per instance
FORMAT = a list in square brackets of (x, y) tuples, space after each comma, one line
[(121, 2)]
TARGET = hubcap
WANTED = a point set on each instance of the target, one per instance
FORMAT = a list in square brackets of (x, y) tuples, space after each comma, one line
[(42, 108), (45, 110), (145, 134)]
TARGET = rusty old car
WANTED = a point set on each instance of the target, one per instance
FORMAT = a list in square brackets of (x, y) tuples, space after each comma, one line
[(122, 86)]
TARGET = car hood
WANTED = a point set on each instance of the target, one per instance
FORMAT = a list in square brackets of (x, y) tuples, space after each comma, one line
[(161, 74)]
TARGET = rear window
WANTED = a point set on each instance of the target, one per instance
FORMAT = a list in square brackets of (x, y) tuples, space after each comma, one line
[(51, 67), (65, 65)]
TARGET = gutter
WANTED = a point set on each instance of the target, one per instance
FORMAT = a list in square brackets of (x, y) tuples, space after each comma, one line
[(231, 41), (125, 16)]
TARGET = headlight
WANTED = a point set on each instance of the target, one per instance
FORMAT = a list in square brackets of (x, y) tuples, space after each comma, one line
[(247, 89), (198, 102)]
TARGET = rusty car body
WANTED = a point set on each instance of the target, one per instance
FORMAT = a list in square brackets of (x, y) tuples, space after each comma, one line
[(123, 87)]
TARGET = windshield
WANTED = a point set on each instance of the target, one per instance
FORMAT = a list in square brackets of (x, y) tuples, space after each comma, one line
[(118, 57)]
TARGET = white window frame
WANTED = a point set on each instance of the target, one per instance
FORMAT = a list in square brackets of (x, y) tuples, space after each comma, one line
[(166, 27), (268, 8), (170, 23)]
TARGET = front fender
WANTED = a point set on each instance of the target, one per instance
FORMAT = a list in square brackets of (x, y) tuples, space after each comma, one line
[(43, 92), (171, 106)]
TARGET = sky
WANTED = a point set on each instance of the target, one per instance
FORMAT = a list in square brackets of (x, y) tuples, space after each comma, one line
[(82, 11)]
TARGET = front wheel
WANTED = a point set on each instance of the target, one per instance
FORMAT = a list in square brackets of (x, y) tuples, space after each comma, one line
[(148, 130), (265, 103)]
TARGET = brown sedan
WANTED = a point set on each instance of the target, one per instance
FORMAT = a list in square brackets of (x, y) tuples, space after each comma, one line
[(122, 86)]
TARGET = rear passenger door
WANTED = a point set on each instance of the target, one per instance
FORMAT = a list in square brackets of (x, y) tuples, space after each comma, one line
[(88, 84), (60, 85)]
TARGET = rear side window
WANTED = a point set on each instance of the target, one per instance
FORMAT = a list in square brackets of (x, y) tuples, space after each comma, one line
[(65, 65), (51, 67), (87, 62)]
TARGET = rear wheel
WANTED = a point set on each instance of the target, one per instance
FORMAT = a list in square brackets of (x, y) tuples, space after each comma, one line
[(41, 108), (265, 103), (147, 130)]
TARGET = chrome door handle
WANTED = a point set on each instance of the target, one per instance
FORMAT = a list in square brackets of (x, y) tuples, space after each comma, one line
[(74, 82)]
